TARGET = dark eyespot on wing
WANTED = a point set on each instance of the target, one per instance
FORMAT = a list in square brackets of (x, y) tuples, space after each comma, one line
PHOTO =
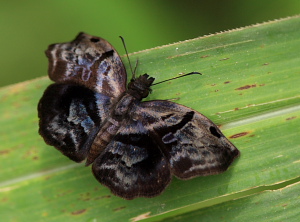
[(132, 165), (89, 61), (95, 39), (213, 130), (193, 144), (70, 116)]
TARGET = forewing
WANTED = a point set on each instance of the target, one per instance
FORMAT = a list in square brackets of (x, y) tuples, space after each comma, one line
[(90, 61), (132, 165), (193, 144), (70, 116)]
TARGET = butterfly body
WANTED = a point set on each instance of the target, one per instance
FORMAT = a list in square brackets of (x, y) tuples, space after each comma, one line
[(120, 111), (134, 147)]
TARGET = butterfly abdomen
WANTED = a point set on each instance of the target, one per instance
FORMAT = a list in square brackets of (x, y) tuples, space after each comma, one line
[(111, 126), (107, 131)]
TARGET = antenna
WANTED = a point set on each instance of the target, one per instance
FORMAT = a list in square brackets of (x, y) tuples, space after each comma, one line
[(136, 65), (132, 71), (191, 73)]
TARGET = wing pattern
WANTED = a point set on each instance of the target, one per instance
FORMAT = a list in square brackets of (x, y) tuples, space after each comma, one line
[(194, 145), (89, 61), (70, 116), (132, 164), (161, 138), (134, 147)]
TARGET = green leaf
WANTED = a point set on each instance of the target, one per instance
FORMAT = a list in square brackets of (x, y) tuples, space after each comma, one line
[(271, 205), (250, 87)]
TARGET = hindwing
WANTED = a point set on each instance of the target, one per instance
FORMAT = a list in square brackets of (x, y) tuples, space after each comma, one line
[(70, 116), (193, 144), (132, 165)]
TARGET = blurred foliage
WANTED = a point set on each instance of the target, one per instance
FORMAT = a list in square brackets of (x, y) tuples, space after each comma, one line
[(27, 27)]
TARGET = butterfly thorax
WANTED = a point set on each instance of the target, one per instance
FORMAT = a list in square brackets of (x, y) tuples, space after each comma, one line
[(137, 90)]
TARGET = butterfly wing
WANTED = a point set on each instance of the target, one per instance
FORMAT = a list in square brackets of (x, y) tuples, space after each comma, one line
[(90, 61), (70, 116), (132, 165), (191, 142)]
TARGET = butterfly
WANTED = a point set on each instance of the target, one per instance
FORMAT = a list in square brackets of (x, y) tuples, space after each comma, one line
[(134, 147)]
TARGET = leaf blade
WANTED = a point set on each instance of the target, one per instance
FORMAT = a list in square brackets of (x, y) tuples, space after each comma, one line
[(259, 79)]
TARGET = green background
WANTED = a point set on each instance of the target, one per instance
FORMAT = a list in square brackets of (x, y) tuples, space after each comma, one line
[(28, 27)]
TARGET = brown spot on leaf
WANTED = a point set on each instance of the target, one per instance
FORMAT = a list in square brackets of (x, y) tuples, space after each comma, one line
[(4, 152), (262, 84), (227, 82), (223, 59), (204, 56), (238, 135), (4, 199), (246, 87), (103, 197), (63, 193), (47, 177), (77, 212), (85, 196), (119, 208), (235, 109), (31, 153), (3, 98), (265, 64), (292, 117), (213, 84)]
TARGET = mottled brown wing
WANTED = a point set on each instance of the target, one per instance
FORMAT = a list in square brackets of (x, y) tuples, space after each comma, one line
[(192, 143), (90, 61), (70, 116), (132, 165)]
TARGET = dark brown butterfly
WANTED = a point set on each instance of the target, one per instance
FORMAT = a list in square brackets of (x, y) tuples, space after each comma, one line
[(135, 147)]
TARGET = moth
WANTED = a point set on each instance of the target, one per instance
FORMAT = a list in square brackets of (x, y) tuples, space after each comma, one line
[(134, 147)]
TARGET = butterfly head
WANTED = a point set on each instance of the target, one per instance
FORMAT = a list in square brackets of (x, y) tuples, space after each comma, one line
[(140, 87)]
